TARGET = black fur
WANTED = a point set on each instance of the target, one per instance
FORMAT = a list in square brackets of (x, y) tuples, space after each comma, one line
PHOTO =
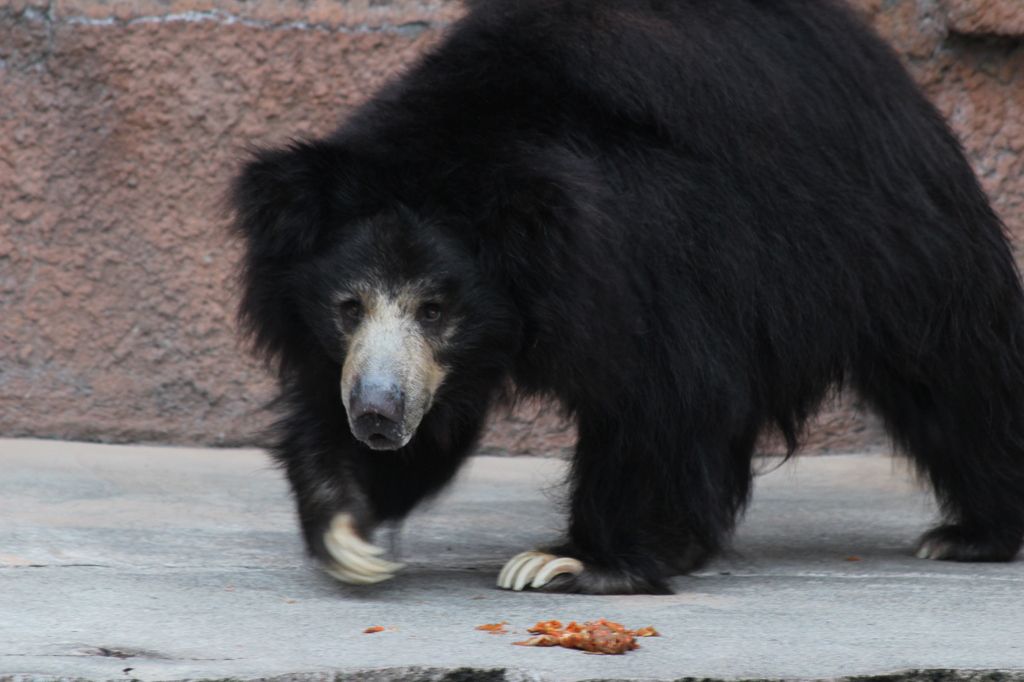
[(686, 220)]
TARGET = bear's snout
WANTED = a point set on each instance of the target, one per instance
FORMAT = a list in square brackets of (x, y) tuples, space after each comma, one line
[(376, 413)]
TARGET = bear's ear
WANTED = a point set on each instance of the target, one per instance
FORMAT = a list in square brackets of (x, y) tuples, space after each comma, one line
[(287, 201)]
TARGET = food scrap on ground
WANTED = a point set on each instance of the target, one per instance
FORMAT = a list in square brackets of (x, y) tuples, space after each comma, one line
[(375, 628), (494, 628), (597, 637)]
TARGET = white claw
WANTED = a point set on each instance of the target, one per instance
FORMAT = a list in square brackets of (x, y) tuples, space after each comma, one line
[(932, 549), (390, 566), (526, 572), (503, 573), (354, 559), (557, 566), (366, 565), (346, 576), (350, 558), (537, 567), (343, 527), (508, 573)]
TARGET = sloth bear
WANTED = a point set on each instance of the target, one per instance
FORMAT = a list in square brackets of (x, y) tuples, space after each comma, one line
[(685, 220)]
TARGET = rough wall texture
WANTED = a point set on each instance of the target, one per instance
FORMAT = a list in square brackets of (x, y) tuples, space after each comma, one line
[(121, 120)]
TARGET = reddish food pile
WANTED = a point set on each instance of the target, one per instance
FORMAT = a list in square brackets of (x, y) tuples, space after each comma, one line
[(375, 628), (597, 637), (494, 628)]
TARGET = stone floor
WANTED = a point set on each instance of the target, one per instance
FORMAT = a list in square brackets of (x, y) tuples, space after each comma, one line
[(125, 562)]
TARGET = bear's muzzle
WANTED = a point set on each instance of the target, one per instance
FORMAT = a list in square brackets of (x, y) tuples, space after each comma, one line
[(377, 413)]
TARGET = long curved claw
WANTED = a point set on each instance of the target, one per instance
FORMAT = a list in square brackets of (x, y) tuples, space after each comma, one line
[(529, 569), (506, 577), (556, 567), (355, 559), (535, 569), (344, 526), (346, 576), (930, 550)]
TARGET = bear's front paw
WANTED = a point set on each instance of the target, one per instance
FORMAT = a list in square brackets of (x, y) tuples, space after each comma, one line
[(551, 573), (354, 559), (535, 569)]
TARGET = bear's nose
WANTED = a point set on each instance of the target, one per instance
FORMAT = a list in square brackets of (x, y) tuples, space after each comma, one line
[(376, 410)]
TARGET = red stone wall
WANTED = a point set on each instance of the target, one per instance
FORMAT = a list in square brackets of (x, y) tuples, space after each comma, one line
[(121, 122)]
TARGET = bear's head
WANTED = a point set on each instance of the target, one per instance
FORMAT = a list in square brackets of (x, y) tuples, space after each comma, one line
[(343, 278), (391, 300)]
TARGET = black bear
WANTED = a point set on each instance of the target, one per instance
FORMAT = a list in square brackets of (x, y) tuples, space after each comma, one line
[(685, 220)]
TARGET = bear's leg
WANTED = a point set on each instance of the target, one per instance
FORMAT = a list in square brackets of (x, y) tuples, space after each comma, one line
[(344, 490), (965, 430), (650, 499), (334, 513)]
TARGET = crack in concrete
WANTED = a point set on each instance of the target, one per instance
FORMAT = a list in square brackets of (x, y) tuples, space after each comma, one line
[(112, 653), (863, 576), (476, 568), (220, 16), (471, 674), (34, 565)]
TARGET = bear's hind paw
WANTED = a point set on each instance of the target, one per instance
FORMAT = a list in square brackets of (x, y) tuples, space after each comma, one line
[(535, 569), (355, 561), (953, 542)]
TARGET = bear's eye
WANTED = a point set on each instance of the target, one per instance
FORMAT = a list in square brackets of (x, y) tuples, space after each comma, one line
[(430, 312), (353, 310)]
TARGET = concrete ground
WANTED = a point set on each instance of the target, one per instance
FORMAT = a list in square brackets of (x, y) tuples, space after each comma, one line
[(122, 562)]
